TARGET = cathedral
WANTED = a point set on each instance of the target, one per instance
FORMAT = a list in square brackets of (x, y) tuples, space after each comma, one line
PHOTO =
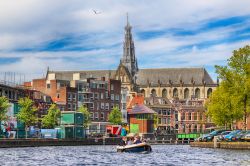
[(181, 83)]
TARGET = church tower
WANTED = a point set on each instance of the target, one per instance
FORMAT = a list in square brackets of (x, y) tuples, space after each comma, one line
[(128, 60)]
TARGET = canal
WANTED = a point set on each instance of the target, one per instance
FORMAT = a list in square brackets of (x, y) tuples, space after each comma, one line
[(107, 155)]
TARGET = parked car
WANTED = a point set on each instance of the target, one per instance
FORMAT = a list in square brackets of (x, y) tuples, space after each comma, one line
[(240, 136), (246, 137), (232, 136), (221, 136), (199, 139), (211, 135)]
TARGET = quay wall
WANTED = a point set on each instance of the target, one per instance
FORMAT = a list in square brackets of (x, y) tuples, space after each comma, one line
[(14, 143), (222, 145)]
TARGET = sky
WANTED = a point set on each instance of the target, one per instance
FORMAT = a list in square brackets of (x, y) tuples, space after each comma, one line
[(69, 35)]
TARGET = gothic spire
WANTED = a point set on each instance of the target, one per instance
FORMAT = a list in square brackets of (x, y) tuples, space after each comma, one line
[(128, 59)]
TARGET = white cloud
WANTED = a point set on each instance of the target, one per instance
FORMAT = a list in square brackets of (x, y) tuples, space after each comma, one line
[(33, 23)]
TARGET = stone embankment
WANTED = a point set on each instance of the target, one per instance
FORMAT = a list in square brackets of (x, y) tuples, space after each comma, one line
[(222, 145), (14, 143)]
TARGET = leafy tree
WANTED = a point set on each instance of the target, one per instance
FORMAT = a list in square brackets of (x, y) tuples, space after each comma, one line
[(51, 119), (115, 116), (222, 107), (86, 115), (4, 105), (27, 113), (235, 86), (236, 76)]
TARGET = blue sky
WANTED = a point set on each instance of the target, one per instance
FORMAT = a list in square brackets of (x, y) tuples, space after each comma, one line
[(68, 35)]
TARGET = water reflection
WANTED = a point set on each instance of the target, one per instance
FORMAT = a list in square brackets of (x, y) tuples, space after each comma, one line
[(107, 155)]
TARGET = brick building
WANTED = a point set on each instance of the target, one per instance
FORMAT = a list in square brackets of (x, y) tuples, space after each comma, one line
[(191, 116), (167, 115), (141, 120), (62, 94)]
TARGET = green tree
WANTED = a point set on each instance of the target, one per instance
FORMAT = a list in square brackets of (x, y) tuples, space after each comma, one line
[(27, 113), (115, 116), (236, 77), (4, 105), (222, 107), (86, 115), (51, 119)]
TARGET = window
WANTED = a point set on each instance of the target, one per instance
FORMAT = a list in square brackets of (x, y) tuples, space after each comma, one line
[(69, 106), (201, 118), (58, 95), (112, 97), (195, 116), (96, 116), (175, 92), (92, 116), (164, 93), (107, 106), (91, 106), (189, 116), (112, 87), (112, 105), (69, 97), (96, 96), (102, 106), (48, 86), (197, 93), (102, 116), (102, 96), (182, 116), (209, 92), (124, 106), (117, 97), (186, 93), (74, 96), (164, 121), (106, 94), (143, 92), (73, 107), (159, 120), (164, 112), (153, 92), (80, 97)]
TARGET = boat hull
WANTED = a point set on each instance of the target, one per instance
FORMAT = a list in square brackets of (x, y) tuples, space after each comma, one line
[(136, 148)]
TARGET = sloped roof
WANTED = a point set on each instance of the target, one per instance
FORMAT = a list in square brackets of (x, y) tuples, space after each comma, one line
[(157, 101), (174, 75), (141, 109), (145, 76)]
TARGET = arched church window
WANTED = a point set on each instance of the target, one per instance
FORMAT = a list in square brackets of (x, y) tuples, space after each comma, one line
[(186, 93), (153, 92), (164, 93), (197, 93), (175, 92), (209, 92), (143, 92)]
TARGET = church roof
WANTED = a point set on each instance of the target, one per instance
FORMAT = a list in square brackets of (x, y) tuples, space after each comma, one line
[(175, 75), (145, 76)]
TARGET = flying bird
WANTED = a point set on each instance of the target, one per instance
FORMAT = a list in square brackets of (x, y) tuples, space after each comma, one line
[(96, 12)]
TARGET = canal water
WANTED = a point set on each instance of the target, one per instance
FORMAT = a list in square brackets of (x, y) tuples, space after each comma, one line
[(107, 155)]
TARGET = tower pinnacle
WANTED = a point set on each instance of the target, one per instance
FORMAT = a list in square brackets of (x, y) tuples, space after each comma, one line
[(128, 59)]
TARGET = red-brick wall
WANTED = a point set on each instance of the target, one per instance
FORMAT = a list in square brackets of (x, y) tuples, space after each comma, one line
[(145, 126)]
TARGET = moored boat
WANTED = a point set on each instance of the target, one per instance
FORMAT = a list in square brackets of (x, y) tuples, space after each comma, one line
[(141, 147)]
